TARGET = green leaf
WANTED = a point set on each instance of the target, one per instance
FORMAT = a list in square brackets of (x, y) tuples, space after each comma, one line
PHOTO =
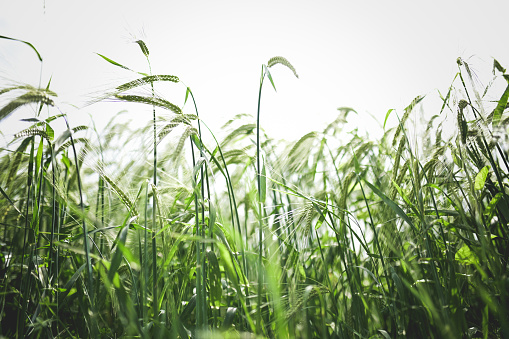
[(228, 265), (40, 151), (228, 319), (385, 334), (405, 197), (263, 183), (497, 66), (270, 77), (391, 204), (397, 283), (370, 273), (70, 283), (66, 161), (47, 90), (212, 214), (502, 103), (128, 255), (214, 279), (114, 62), (188, 309), (11, 202), (62, 139), (357, 165), (466, 256), (187, 94), (26, 43), (196, 141), (302, 271), (387, 116), (50, 132), (321, 219), (489, 211), (117, 257), (199, 163), (480, 178)]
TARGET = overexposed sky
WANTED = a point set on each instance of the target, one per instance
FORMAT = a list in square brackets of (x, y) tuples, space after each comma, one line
[(369, 55)]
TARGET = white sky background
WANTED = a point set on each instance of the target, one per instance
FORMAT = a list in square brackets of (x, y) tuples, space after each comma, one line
[(369, 55)]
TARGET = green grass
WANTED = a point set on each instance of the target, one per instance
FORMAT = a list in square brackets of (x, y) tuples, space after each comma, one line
[(168, 231)]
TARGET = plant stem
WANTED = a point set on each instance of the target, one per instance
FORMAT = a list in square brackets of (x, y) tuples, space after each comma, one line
[(260, 208)]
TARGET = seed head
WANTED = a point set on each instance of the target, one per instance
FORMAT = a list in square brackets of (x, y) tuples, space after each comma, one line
[(462, 104)]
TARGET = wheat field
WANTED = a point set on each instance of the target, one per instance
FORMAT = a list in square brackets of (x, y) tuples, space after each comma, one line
[(169, 231)]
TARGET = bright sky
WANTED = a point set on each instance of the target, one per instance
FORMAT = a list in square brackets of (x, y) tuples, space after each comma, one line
[(369, 55)]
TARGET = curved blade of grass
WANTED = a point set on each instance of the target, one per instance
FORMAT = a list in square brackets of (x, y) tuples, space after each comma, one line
[(372, 275), (114, 62), (26, 43), (501, 106), (490, 210), (11, 202), (391, 204), (71, 281), (117, 257), (480, 178), (228, 318), (188, 309), (263, 183), (229, 268), (387, 116), (270, 77), (214, 279), (405, 197), (497, 66)]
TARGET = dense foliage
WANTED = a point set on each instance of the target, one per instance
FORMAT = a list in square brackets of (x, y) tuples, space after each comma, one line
[(165, 231)]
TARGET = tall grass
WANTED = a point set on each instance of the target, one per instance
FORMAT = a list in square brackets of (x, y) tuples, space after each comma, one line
[(157, 232)]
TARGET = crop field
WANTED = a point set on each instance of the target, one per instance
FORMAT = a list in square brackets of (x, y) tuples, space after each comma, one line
[(173, 230)]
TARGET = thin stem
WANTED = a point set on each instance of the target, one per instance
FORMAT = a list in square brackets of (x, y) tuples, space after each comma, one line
[(260, 223), (202, 233)]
